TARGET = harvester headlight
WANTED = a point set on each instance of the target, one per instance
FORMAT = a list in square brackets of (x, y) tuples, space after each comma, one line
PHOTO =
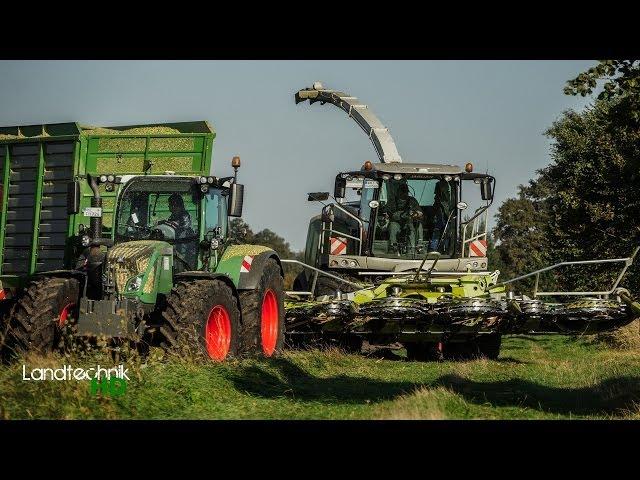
[(344, 263), (203, 180), (85, 240), (353, 264), (210, 180), (103, 178), (204, 188), (135, 284), (111, 178), (397, 177)]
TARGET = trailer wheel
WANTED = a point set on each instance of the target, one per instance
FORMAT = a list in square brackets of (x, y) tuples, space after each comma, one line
[(39, 314), (202, 317), (262, 313)]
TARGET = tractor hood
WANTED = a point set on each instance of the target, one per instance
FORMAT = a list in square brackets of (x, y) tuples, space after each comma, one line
[(131, 266)]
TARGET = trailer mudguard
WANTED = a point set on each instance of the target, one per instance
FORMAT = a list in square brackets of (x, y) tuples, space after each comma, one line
[(244, 264)]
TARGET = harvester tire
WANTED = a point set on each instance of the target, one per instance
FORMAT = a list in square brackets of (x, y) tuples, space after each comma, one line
[(488, 346), (329, 286), (423, 351), (39, 314), (484, 346), (263, 314), (201, 317)]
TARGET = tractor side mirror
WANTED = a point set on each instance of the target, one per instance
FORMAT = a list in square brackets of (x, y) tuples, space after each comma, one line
[(486, 189), (236, 199), (73, 198), (340, 188)]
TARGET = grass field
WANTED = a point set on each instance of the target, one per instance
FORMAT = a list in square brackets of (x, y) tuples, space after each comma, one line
[(546, 377)]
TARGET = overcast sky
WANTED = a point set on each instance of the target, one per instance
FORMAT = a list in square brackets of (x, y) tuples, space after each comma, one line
[(490, 113)]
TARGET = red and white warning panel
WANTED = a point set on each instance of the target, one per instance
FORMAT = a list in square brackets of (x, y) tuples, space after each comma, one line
[(478, 248), (246, 264), (338, 245)]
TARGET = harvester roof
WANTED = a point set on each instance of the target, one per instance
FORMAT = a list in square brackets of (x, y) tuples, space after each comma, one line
[(417, 168)]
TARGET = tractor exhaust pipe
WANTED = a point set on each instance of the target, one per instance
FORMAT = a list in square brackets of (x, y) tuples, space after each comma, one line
[(96, 201)]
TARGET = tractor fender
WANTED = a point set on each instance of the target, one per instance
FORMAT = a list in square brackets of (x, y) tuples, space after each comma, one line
[(244, 264), (208, 276)]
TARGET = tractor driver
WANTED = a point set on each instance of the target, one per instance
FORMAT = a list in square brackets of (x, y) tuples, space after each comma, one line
[(180, 221), (405, 214)]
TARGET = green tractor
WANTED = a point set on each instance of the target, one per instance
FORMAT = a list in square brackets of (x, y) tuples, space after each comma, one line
[(165, 275), (397, 261)]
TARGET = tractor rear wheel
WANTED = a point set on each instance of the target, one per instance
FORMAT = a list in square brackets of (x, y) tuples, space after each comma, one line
[(201, 317), (39, 314), (263, 314)]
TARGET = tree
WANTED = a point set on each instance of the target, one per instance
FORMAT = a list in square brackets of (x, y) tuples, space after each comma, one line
[(520, 235), (585, 204)]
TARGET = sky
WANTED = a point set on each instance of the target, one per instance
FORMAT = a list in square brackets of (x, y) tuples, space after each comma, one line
[(490, 113)]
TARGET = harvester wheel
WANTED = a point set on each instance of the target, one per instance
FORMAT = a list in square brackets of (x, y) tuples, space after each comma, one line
[(202, 317), (423, 351), (329, 286), (489, 345), (484, 346), (39, 314), (263, 314)]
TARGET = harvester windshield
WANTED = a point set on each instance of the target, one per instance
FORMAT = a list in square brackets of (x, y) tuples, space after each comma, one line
[(414, 216)]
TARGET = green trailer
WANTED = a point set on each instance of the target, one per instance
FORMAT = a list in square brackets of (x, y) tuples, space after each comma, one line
[(37, 163), (122, 232)]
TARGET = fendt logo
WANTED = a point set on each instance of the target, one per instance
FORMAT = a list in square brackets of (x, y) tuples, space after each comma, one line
[(113, 386)]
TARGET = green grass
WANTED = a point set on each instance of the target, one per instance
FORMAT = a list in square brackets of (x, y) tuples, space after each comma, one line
[(536, 377)]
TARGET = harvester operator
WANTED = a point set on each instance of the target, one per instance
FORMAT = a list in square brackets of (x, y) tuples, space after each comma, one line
[(405, 214)]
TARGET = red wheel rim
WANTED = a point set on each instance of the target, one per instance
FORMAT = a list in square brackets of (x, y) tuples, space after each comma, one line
[(269, 322), (64, 314), (217, 335)]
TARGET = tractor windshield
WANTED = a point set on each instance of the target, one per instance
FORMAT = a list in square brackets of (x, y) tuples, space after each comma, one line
[(167, 209), (415, 216)]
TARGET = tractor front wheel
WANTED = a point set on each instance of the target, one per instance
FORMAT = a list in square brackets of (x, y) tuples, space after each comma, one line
[(201, 317), (39, 314), (263, 314)]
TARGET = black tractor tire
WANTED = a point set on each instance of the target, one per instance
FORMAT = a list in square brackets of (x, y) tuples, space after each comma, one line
[(423, 351), (201, 318), (39, 314), (262, 311)]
